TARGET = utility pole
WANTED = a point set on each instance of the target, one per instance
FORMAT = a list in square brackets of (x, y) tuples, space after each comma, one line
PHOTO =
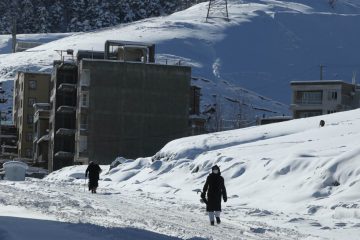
[(13, 33), (354, 78), (321, 71), (217, 8)]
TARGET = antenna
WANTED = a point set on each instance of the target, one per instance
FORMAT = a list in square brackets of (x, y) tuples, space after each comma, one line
[(217, 8)]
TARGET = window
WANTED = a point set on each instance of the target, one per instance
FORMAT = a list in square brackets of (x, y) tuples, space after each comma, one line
[(30, 118), (309, 97), (333, 95), (32, 84), (31, 101), (29, 137), (85, 77), (83, 144), (84, 99), (83, 122)]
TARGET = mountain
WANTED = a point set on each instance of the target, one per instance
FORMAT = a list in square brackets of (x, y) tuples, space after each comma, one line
[(243, 65), (42, 16)]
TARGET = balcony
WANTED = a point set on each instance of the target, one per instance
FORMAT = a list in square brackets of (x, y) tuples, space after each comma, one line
[(66, 109), (308, 101), (65, 132), (63, 154), (67, 87)]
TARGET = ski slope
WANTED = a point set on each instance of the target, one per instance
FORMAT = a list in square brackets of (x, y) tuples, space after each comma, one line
[(289, 180)]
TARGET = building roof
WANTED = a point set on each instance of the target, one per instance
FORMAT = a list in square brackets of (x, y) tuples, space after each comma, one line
[(321, 82), (34, 72), (81, 54), (123, 43)]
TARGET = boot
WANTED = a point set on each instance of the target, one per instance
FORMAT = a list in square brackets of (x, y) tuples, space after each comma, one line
[(212, 223), (218, 220)]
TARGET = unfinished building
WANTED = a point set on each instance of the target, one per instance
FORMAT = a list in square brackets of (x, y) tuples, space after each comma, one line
[(128, 105), (62, 115)]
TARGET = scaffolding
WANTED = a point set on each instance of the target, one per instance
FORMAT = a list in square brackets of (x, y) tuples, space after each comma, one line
[(217, 9)]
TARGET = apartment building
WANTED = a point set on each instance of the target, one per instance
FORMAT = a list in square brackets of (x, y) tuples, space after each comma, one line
[(128, 105), (62, 115), (313, 98), (29, 88)]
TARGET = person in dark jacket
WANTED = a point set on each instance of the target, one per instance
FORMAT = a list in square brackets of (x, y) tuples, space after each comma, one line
[(94, 171), (215, 189)]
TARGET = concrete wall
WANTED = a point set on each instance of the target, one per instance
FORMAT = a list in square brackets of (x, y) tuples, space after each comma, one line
[(135, 108)]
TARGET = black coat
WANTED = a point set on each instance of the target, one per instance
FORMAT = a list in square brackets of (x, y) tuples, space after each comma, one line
[(94, 171), (215, 188)]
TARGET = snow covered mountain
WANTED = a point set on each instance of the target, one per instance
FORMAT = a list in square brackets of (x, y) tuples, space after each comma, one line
[(290, 180), (264, 46)]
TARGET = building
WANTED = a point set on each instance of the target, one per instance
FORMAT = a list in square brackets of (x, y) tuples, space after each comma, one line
[(8, 141), (41, 134), (128, 105), (23, 45), (196, 119), (29, 88), (313, 98), (62, 115)]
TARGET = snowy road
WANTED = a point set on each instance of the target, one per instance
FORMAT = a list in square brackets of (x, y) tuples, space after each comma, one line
[(131, 210)]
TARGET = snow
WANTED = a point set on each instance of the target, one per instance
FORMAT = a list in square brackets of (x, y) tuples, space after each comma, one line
[(288, 180)]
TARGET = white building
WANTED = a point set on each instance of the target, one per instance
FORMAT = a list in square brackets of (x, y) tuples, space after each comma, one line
[(313, 98)]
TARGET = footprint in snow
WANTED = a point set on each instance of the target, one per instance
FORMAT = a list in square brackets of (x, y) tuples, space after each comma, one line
[(341, 224)]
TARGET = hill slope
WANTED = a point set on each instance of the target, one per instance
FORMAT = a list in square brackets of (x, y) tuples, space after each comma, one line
[(293, 174), (265, 45)]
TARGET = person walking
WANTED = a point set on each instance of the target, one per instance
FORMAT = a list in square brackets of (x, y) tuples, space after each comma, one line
[(93, 170), (215, 189)]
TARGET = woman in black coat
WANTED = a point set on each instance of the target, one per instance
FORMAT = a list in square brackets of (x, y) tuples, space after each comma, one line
[(94, 171), (215, 189)]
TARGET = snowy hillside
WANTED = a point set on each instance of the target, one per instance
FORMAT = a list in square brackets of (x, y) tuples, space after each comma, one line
[(290, 180), (265, 45)]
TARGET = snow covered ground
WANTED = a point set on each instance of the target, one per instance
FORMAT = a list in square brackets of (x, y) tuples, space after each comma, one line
[(289, 180)]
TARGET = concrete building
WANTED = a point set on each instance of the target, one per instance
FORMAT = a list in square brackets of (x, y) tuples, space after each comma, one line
[(29, 88), (41, 134), (313, 98), (62, 115), (128, 105)]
